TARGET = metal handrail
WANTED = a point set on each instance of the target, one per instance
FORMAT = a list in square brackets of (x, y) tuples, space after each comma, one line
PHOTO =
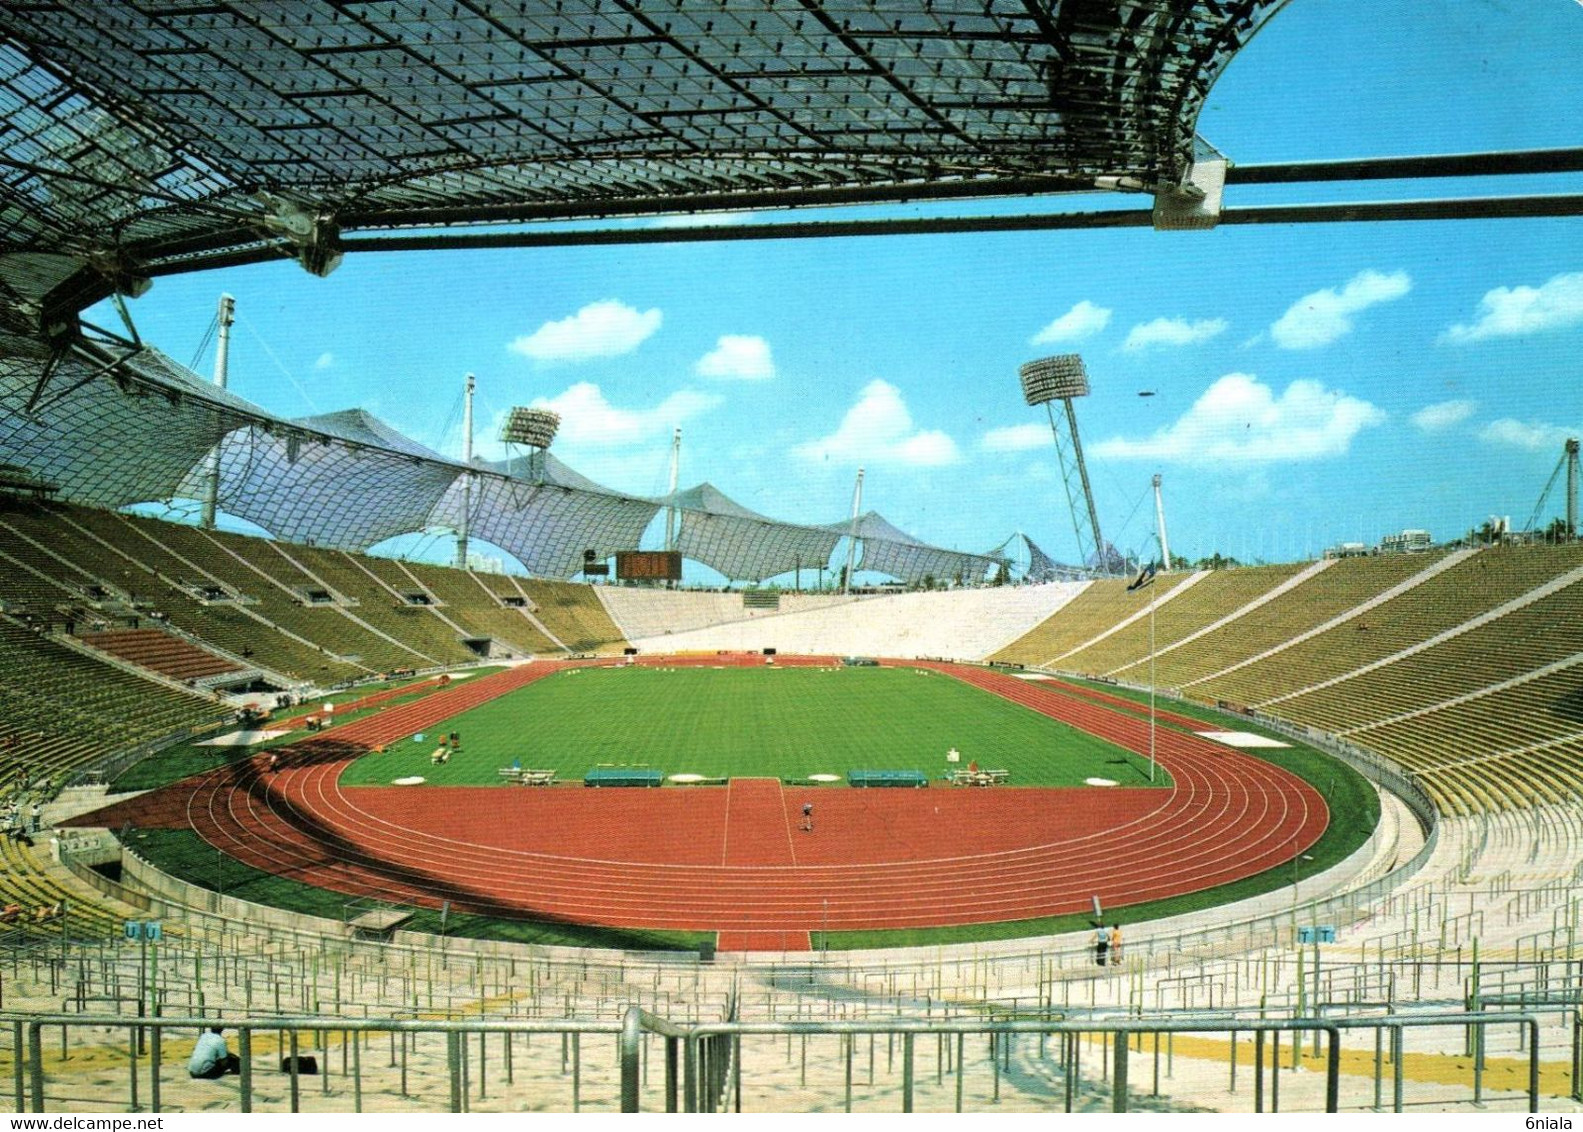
[(708, 1072), (30, 1027)]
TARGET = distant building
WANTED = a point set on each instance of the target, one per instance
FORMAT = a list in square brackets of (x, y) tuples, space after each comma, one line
[(1407, 542), (1348, 550)]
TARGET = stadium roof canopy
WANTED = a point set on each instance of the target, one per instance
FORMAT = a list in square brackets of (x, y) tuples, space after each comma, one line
[(150, 137), (118, 426)]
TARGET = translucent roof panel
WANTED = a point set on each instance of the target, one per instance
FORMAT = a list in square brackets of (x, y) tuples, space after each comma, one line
[(911, 563), (742, 544), (314, 488), (99, 440), (1041, 567), (172, 132), (545, 526), (115, 425), (887, 549)]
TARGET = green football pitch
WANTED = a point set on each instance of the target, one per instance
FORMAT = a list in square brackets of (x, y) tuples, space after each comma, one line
[(786, 723)]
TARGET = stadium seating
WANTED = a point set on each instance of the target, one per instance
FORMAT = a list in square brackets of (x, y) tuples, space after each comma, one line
[(573, 613), (1219, 594), (1098, 608), (1533, 636), (27, 879), (1446, 600), (25, 590), (384, 608), (291, 598), (1332, 591), (165, 577), (60, 709), (1544, 713), (160, 652), (471, 601), (37, 576)]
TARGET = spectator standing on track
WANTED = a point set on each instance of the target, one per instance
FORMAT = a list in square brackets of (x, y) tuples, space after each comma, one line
[(1115, 944), (274, 761), (807, 817), (1101, 944), (37, 817)]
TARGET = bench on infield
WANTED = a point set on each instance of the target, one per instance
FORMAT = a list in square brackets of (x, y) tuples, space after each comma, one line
[(623, 776), (886, 778)]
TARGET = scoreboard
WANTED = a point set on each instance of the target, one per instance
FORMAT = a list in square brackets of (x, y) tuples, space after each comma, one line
[(649, 565)]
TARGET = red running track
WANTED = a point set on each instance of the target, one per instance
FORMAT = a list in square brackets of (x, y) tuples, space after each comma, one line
[(733, 859)]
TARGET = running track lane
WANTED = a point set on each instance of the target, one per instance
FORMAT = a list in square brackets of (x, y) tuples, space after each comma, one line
[(1227, 817)]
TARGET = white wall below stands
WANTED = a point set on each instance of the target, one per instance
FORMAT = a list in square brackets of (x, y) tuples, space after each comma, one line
[(961, 624), (641, 612)]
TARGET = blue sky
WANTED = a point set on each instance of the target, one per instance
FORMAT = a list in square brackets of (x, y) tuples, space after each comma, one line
[(1314, 383)]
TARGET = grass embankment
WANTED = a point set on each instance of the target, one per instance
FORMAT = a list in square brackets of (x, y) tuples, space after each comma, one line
[(182, 853), (186, 759)]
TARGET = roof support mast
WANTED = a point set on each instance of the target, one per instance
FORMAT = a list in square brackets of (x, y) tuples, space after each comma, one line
[(851, 541), (1159, 519), (670, 506), (467, 477), (222, 359), (1572, 487)]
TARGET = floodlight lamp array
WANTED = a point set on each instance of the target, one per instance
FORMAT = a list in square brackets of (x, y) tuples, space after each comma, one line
[(535, 428), (1057, 378)]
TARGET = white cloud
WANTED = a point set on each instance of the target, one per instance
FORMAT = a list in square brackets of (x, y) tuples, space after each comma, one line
[(324, 360), (878, 430), (1240, 420), (1322, 317), (1015, 438), (1508, 311), (606, 329), (1082, 321), (1444, 415), (1172, 332), (588, 418), (744, 357), (1532, 435)]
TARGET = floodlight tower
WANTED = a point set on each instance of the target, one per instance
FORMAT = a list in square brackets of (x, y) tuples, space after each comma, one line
[(1064, 378), (533, 429), (222, 359)]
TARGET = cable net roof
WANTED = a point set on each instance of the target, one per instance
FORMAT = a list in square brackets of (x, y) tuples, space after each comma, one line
[(164, 135), (108, 440), (1041, 567), (742, 544), (110, 424), (341, 479), (887, 549), (547, 524)]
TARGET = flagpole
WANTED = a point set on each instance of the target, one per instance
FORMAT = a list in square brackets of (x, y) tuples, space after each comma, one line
[(1151, 683), (1146, 578)]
